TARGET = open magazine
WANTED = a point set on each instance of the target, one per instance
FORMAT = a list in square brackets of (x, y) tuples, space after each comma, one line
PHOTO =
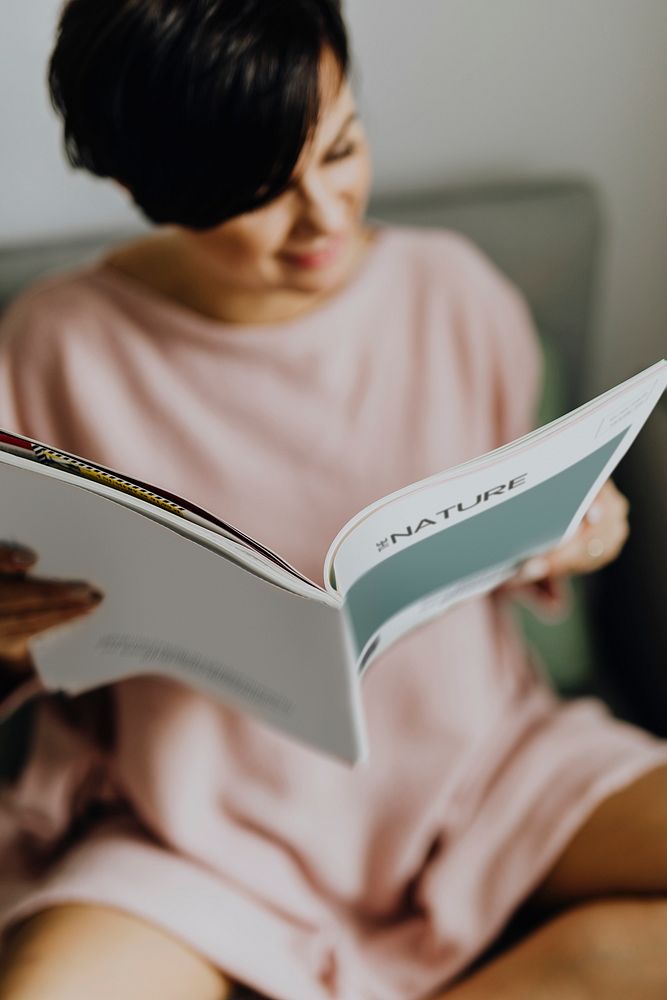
[(190, 597)]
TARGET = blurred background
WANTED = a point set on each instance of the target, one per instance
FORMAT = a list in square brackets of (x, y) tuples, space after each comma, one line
[(459, 92)]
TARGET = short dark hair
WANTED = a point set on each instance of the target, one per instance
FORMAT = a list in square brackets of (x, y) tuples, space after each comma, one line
[(199, 107)]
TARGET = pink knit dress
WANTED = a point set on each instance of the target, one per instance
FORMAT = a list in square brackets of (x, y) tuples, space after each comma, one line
[(295, 874)]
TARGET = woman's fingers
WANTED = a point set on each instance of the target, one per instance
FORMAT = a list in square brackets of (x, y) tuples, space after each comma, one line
[(25, 626), (30, 605), (598, 540), (19, 595)]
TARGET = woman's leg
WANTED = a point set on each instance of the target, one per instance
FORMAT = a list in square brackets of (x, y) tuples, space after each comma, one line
[(612, 941), (79, 951), (614, 949), (621, 849)]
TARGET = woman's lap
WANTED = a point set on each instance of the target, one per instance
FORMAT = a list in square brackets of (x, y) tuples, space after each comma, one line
[(619, 851), (620, 846)]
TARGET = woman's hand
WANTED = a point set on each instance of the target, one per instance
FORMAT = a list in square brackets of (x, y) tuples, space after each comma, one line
[(598, 540), (30, 605)]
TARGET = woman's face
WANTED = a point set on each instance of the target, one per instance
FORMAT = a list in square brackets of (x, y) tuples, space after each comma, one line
[(308, 239)]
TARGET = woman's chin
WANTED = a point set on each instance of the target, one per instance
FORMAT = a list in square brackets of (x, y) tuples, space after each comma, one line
[(318, 284)]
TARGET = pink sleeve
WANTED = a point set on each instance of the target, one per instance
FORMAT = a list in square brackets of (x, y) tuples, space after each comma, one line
[(499, 324), (518, 365), (20, 352)]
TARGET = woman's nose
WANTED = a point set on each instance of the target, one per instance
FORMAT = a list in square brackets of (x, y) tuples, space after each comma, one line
[(322, 207)]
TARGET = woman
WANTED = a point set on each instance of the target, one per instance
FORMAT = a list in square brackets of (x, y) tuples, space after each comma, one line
[(257, 353)]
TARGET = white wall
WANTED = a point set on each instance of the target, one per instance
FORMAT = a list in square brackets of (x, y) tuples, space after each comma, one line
[(39, 194), (467, 88), (451, 89)]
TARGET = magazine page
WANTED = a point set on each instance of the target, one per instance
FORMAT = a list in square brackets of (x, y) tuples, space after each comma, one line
[(165, 508), (410, 556), (181, 611), (151, 497)]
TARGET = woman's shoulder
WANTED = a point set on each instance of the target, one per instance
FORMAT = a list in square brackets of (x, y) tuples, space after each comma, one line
[(61, 293), (486, 315), (52, 307), (445, 254)]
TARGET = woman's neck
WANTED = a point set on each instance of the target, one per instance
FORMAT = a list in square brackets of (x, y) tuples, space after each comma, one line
[(168, 265)]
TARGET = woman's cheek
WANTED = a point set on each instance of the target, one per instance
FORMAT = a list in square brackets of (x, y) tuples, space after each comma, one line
[(359, 184)]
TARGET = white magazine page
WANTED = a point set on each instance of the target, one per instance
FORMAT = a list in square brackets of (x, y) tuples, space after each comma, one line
[(408, 557), (179, 610), (200, 533), (181, 513)]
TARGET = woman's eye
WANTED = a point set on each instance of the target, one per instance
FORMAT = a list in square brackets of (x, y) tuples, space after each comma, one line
[(341, 153)]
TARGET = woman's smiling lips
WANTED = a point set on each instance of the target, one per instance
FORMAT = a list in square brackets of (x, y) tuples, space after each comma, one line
[(319, 257)]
